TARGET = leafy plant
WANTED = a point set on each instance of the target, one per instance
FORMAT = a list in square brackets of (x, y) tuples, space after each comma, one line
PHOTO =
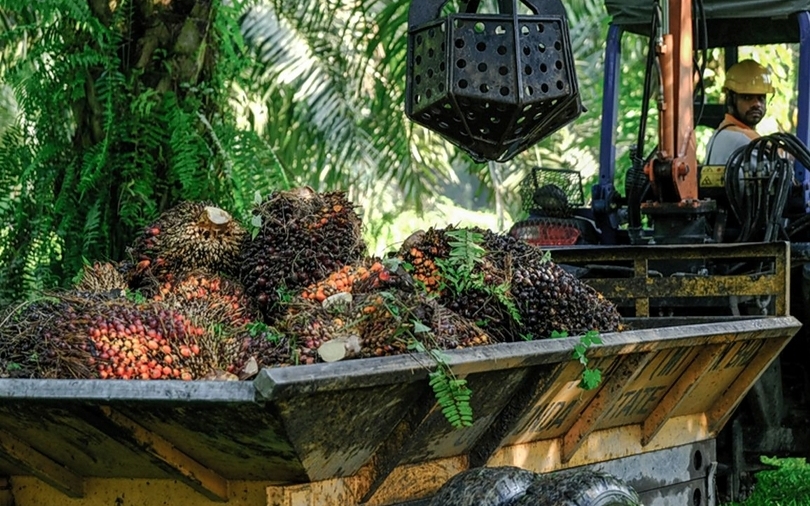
[(114, 124), (787, 484), (460, 270), (451, 393), (256, 328), (136, 297), (591, 376)]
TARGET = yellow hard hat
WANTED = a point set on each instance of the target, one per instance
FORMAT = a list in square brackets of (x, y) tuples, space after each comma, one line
[(749, 77)]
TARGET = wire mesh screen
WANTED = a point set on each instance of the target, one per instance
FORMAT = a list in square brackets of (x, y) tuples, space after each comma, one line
[(553, 191)]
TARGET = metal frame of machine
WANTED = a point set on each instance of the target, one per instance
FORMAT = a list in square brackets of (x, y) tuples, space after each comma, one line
[(604, 191)]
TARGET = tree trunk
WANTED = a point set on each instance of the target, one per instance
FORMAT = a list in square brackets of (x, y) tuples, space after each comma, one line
[(166, 47)]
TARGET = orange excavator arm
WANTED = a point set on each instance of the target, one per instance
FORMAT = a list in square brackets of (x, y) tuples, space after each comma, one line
[(673, 172)]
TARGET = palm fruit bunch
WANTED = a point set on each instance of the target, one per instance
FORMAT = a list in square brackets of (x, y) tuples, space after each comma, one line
[(394, 320), (367, 325), (302, 237), (191, 236), (311, 326), (446, 261), (220, 300), (386, 323), (261, 347), (453, 331), (44, 339), (506, 285), (141, 341), (351, 278), (420, 251), (101, 278), (548, 297)]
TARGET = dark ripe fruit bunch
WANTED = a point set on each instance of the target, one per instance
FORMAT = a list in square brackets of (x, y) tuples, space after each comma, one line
[(395, 319), (545, 296), (218, 299), (485, 310), (45, 339), (268, 348), (304, 236), (129, 341), (188, 237), (101, 278), (548, 297), (425, 250)]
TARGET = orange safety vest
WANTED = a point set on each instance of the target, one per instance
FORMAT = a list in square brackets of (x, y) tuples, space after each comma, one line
[(732, 123)]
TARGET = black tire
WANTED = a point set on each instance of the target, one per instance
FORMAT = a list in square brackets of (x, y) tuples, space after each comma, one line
[(577, 488), (484, 486)]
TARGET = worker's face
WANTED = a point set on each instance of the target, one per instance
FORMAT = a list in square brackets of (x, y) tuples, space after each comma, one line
[(750, 108)]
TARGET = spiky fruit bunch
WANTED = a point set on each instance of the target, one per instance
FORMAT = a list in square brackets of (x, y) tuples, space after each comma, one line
[(218, 299), (395, 320), (386, 326), (433, 259), (511, 288), (44, 339), (310, 326), (265, 348), (453, 331), (141, 342), (74, 335), (101, 278), (485, 310), (304, 236), (192, 236), (548, 297)]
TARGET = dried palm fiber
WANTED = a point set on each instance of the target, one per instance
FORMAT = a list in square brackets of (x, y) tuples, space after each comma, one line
[(545, 296), (45, 338), (303, 237), (192, 236), (101, 277)]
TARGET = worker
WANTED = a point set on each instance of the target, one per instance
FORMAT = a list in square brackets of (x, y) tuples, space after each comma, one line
[(747, 85)]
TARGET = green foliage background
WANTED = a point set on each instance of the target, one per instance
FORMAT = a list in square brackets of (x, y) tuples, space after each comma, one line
[(787, 484), (105, 122)]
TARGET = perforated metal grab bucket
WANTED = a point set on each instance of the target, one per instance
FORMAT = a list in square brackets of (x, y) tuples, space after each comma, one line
[(493, 84)]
